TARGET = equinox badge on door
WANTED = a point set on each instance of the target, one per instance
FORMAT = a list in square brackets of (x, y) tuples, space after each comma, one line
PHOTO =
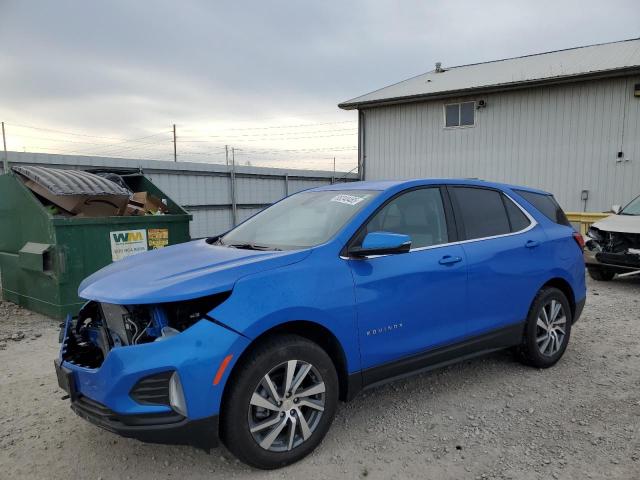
[(385, 329)]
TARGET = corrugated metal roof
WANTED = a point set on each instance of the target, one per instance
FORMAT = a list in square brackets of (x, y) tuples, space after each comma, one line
[(543, 67), (70, 182)]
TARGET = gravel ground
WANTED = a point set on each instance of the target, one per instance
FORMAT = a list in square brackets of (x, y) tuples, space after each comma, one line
[(487, 418)]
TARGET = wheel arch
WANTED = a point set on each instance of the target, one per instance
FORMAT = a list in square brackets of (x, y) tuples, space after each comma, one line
[(565, 287), (314, 332)]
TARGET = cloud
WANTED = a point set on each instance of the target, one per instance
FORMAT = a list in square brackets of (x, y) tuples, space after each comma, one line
[(129, 68)]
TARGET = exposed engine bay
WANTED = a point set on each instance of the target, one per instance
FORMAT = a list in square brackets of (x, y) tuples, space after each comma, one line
[(99, 327)]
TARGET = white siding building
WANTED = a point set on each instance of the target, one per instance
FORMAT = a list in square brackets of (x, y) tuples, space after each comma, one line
[(567, 122)]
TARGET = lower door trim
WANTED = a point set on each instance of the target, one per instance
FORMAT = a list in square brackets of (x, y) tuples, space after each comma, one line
[(504, 337)]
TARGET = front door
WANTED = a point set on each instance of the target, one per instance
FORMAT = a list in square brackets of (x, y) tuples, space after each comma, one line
[(411, 302)]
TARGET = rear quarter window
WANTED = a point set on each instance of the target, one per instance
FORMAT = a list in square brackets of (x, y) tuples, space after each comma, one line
[(519, 221), (547, 205)]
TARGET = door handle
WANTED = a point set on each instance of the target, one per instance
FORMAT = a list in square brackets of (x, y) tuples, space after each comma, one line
[(449, 260), (532, 243)]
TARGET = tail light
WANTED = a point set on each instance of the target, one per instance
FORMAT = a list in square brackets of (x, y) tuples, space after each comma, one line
[(577, 236)]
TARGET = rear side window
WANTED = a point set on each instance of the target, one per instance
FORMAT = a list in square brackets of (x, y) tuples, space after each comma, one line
[(547, 206), (483, 212)]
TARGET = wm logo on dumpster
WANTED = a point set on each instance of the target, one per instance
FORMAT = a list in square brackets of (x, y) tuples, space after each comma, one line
[(127, 237), (127, 242)]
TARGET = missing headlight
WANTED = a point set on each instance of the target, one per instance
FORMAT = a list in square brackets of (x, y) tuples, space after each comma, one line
[(102, 326), (182, 315), (595, 234)]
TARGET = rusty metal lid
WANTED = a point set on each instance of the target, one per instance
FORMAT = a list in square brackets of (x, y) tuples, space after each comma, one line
[(70, 182)]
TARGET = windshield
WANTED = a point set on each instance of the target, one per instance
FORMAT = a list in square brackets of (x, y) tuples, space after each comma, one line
[(303, 220), (633, 208)]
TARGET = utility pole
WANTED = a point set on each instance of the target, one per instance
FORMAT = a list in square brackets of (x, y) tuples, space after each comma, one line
[(175, 147), (6, 157), (226, 154), (333, 179), (232, 177)]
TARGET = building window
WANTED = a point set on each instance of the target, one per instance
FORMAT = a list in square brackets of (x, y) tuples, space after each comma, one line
[(460, 114)]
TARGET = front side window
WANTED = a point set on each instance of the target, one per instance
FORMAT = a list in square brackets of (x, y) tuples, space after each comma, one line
[(418, 213), (460, 114), (482, 210), (303, 220)]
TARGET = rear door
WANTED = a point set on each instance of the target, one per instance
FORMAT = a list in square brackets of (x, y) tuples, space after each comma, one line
[(411, 302), (504, 248)]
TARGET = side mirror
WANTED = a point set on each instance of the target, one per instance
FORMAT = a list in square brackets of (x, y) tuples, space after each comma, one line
[(382, 243), (616, 209)]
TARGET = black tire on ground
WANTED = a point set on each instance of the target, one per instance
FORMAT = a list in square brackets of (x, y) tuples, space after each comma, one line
[(601, 274), (530, 350), (234, 424)]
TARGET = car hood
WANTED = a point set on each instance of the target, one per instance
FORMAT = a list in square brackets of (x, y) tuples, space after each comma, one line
[(180, 272), (619, 224)]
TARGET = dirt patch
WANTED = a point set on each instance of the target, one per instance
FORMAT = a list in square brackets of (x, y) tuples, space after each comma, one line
[(487, 418), (18, 324)]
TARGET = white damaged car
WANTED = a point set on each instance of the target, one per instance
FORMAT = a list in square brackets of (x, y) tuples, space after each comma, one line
[(613, 246)]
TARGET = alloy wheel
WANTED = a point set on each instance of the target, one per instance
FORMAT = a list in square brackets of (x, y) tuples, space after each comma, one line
[(551, 328), (286, 406)]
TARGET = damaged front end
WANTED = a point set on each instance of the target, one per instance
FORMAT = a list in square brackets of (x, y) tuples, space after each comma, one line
[(618, 252), (102, 326), (146, 371)]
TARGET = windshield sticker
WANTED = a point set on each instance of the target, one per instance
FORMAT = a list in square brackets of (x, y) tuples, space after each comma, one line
[(348, 199)]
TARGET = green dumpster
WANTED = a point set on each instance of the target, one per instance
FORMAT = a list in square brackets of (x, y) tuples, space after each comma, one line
[(44, 255)]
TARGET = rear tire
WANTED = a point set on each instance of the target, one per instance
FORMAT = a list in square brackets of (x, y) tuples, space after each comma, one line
[(547, 330), (269, 418), (601, 274)]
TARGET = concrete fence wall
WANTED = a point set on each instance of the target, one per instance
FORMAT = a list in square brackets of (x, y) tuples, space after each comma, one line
[(218, 196)]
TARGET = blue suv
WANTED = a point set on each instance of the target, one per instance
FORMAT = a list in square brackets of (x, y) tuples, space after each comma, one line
[(254, 335)]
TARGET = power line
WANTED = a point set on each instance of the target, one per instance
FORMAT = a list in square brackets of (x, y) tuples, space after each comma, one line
[(296, 126), (221, 150), (62, 131), (160, 148), (263, 138), (64, 140), (67, 132), (97, 154), (284, 126), (266, 135), (302, 150), (135, 140)]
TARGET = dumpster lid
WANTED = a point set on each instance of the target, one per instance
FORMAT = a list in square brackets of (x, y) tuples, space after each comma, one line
[(70, 182)]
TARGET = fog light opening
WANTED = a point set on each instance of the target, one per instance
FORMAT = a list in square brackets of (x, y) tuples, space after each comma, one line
[(176, 395)]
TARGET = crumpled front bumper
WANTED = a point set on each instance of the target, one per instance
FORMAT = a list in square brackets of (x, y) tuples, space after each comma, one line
[(102, 395), (616, 261), (170, 428)]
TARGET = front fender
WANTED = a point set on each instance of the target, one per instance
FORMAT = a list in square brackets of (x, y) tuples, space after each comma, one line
[(318, 289)]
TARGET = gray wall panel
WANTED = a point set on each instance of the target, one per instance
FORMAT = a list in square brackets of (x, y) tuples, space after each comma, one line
[(561, 138), (297, 184), (208, 222), (259, 190), (245, 213)]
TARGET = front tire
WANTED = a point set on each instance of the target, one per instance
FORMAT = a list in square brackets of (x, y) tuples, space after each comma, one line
[(601, 274), (547, 330), (281, 402)]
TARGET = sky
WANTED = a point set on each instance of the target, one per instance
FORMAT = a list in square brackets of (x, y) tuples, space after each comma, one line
[(262, 77)]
